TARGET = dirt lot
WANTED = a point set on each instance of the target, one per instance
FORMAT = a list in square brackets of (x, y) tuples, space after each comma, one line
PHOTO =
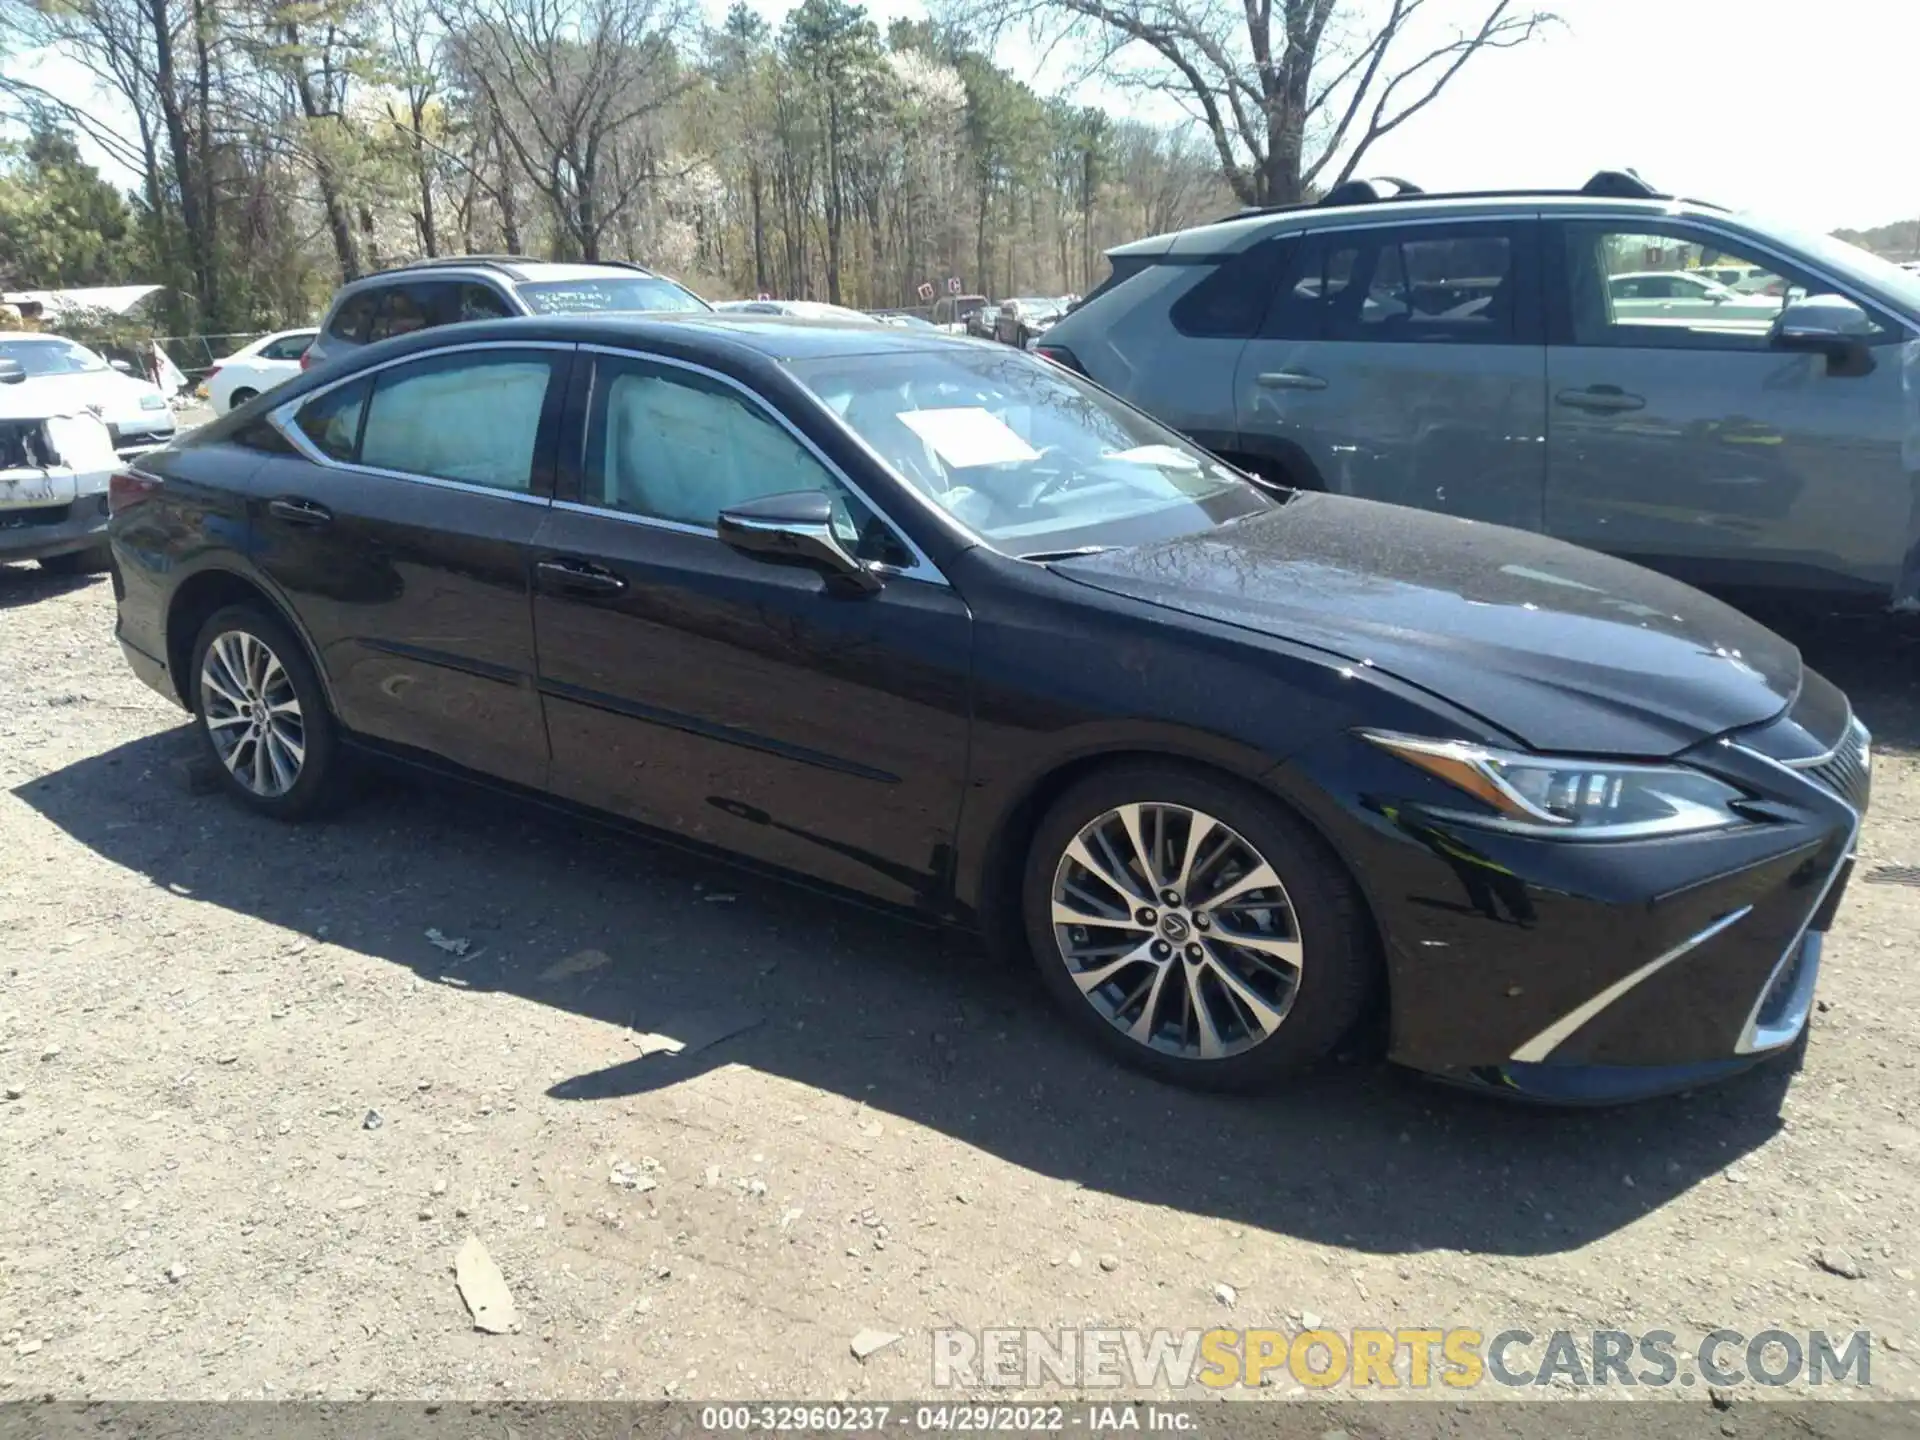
[(254, 1111)]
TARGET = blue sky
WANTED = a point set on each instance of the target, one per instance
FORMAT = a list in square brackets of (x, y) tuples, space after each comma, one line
[(1801, 111)]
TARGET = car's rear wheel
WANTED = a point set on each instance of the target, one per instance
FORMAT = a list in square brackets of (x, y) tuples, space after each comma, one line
[(240, 397), (1194, 927), (94, 560), (262, 715)]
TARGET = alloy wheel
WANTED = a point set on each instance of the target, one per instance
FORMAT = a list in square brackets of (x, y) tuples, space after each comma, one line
[(1177, 930), (252, 714)]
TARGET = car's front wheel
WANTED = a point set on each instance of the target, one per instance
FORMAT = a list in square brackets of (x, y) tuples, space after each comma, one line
[(1194, 927), (261, 713)]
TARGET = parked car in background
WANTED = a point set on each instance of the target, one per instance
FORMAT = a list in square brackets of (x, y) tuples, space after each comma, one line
[(1498, 357), (1236, 764), (955, 312), (457, 288), (798, 310), (261, 365), (67, 377), (1653, 297), (55, 459), (1017, 322), (902, 321)]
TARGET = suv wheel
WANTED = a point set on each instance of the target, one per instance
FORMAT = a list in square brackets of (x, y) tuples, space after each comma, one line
[(1195, 928)]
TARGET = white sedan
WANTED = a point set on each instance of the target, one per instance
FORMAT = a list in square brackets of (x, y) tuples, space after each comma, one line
[(1683, 297), (68, 378), (237, 378), (798, 310)]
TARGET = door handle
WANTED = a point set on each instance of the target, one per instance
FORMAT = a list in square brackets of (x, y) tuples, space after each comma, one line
[(1290, 380), (568, 576), (296, 511), (1602, 399)]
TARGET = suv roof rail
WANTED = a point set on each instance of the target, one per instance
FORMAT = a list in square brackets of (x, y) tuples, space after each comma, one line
[(1369, 192), (428, 262), (1622, 184)]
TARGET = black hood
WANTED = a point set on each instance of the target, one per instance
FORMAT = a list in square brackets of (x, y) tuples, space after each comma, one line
[(1567, 649)]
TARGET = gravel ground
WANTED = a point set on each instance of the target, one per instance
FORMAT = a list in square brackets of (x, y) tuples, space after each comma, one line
[(253, 1111)]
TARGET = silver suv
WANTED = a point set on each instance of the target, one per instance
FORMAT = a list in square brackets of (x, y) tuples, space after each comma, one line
[(1569, 362), (453, 288)]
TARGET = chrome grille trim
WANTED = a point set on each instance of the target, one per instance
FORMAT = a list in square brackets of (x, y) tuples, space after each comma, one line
[(1755, 1037)]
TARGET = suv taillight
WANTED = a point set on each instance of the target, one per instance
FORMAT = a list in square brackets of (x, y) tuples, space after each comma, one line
[(1061, 356), (129, 487), (306, 359)]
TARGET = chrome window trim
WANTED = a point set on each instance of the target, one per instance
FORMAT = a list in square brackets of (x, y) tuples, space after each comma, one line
[(921, 569), (1550, 1039), (281, 417)]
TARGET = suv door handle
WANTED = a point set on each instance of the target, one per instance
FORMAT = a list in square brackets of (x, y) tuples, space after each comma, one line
[(1290, 380), (566, 575), (296, 511), (1602, 399)]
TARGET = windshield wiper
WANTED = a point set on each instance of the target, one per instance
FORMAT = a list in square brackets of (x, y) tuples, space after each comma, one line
[(1042, 556)]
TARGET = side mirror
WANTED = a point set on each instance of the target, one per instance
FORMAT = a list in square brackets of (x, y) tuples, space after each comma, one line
[(12, 373), (122, 366), (1828, 325), (796, 528)]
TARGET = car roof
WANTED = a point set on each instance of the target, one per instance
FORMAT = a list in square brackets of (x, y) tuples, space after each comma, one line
[(733, 334), (1608, 193)]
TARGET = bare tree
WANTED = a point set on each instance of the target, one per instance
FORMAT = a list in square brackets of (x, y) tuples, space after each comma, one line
[(566, 82), (1293, 93)]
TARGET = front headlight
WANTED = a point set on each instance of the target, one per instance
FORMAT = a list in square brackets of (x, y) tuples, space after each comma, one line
[(153, 402), (1580, 799)]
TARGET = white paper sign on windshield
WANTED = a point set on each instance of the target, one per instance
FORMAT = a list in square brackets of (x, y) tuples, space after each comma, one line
[(1162, 455), (968, 436)]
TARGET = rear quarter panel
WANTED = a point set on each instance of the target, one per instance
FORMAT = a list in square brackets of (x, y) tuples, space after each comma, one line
[(196, 521), (1126, 341)]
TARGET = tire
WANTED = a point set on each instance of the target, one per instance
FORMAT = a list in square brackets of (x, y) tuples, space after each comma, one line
[(305, 740), (96, 559), (240, 397), (1306, 1004)]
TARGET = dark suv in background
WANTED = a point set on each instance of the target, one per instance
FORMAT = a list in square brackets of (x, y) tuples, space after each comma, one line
[(454, 288), (1568, 362)]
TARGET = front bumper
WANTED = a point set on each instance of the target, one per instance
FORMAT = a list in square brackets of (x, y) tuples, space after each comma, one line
[(1581, 972), (134, 438), (40, 532)]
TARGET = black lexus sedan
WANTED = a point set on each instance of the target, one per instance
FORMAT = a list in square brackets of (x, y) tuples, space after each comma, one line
[(937, 622)]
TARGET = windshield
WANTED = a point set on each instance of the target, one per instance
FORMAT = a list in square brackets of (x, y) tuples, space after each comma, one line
[(1851, 263), (1024, 454), (626, 292), (51, 357)]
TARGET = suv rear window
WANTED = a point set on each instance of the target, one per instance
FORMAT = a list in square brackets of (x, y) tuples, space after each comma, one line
[(1232, 301)]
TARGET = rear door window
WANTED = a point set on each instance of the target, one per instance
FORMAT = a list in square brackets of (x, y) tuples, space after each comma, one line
[(1470, 284), (472, 416), (482, 302), (287, 347), (403, 310)]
